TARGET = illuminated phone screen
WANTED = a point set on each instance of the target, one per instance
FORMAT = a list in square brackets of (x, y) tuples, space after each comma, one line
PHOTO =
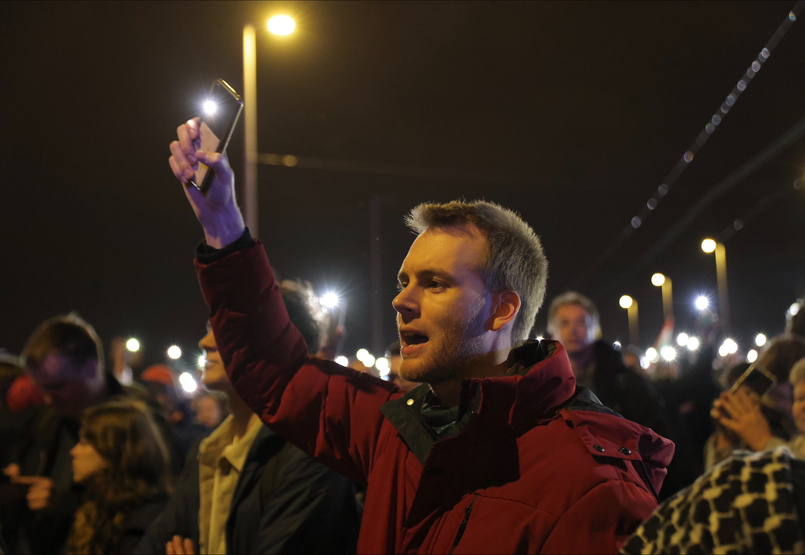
[(219, 116)]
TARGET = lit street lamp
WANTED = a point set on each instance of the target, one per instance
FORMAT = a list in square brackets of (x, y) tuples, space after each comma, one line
[(281, 25), (659, 280), (708, 246), (630, 305)]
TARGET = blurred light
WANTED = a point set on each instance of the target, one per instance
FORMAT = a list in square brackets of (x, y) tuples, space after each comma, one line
[(368, 361), (174, 352), (617, 345), (383, 366), (187, 382), (636, 221), (133, 345), (751, 356), (540, 338), (760, 340), (362, 354), (652, 355), (693, 343), (708, 245), (644, 363), (682, 339), (626, 301), (202, 361), (329, 300), (702, 302), (668, 353), (688, 156), (342, 360), (793, 310), (281, 25), (290, 160), (657, 280), (209, 107), (729, 347)]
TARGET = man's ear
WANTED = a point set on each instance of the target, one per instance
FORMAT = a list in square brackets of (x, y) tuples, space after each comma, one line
[(505, 307)]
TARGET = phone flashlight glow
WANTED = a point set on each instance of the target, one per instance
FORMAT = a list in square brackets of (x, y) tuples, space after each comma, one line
[(209, 107)]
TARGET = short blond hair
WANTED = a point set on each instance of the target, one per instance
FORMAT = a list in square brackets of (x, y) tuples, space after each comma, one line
[(576, 298), (514, 257)]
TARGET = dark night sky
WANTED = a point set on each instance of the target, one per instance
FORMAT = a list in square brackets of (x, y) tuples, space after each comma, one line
[(570, 113)]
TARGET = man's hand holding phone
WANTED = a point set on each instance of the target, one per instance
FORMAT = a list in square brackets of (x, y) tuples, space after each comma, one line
[(739, 412), (216, 209)]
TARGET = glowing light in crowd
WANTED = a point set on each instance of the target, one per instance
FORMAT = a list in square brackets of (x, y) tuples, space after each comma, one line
[(383, 366), (682, 339), (729, 347), (329, 300), (644, 363), (751, 356), (617, 345), (668, 353), (708, 245), (760, 340), (202, 361), (342, 360), (368, 361), (652, 355), (133, 345), (362, 354), (209, 107), (793, 310), (657, 280), (626, 301), (540, 338), (702, 302), (174, 352), (187, 382), (281, 25), (693, 343)]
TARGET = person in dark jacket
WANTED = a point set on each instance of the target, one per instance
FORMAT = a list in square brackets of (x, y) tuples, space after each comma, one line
[(122, 460), (270, 496)]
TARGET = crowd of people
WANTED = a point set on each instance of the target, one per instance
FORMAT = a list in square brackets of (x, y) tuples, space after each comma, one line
[(480, 439)]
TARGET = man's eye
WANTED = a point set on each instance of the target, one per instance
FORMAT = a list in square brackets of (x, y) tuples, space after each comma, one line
[(435, 284), (400, 286)]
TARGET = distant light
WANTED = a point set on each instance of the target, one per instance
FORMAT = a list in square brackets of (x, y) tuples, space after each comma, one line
[(708, 245), (760, 340), (626, 301), (617, 345), (188, 382), (668, 353), (793, 310), (751, 356), (281, 25), (540, 338), (174, 352), (702, 302), (722, 351), (732, 346), (329, 300), (644, 363), (342, 360), (362, 354), (652, 355), (657, 280), (209, 107), (682, 339), (368, 361), (383, 366), (693, 343), (202, 361), (133, 345)]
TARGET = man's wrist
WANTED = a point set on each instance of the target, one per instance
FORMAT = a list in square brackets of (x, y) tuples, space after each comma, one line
[(223, 228)]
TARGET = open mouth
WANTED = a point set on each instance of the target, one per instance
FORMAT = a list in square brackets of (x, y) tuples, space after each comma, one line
[(411, 339)]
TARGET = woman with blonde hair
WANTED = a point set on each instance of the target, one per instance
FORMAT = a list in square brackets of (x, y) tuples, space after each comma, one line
[(122, 459)]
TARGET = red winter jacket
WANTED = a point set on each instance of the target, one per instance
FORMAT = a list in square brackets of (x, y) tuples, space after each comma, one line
[(532, 466)]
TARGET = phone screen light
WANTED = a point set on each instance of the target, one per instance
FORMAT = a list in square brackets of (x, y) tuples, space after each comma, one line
[(209, 107)]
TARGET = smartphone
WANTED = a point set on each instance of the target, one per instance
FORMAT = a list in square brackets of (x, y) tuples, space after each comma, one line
[(219, 117), (756, 380)]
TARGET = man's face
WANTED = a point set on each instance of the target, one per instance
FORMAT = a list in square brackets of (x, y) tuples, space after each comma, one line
[(67, 386), (442, 305), (213, 374), (575, 327)]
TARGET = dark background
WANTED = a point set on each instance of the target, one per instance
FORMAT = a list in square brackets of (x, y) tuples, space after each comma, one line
[(570, 113)]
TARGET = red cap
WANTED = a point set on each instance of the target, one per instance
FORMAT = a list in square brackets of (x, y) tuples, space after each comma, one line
[(23, 394), (159, 373)]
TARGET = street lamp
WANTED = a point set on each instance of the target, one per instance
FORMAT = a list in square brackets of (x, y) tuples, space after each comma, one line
[(659, 280), (630, 305), (281, 25), (708, 246)]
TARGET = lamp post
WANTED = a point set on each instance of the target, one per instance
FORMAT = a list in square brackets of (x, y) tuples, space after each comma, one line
[(630, 305), (278, 25), (659, 280), (708, 246)]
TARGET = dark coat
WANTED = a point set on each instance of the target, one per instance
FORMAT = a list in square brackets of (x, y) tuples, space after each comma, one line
[(530, 466), (284, 502)]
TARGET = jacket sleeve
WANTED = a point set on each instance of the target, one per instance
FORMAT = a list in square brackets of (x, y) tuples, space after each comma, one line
[(312, 510), (602, 520), (330, 412)]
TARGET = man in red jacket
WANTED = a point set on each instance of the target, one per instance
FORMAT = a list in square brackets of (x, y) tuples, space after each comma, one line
[(497, 452)]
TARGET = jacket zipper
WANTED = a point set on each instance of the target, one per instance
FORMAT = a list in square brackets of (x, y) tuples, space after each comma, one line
[(463, 525)]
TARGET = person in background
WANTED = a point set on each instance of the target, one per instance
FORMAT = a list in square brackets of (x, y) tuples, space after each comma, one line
[(160, 380), (123, 462), (211, 409), (245, 490), (395, 360)]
